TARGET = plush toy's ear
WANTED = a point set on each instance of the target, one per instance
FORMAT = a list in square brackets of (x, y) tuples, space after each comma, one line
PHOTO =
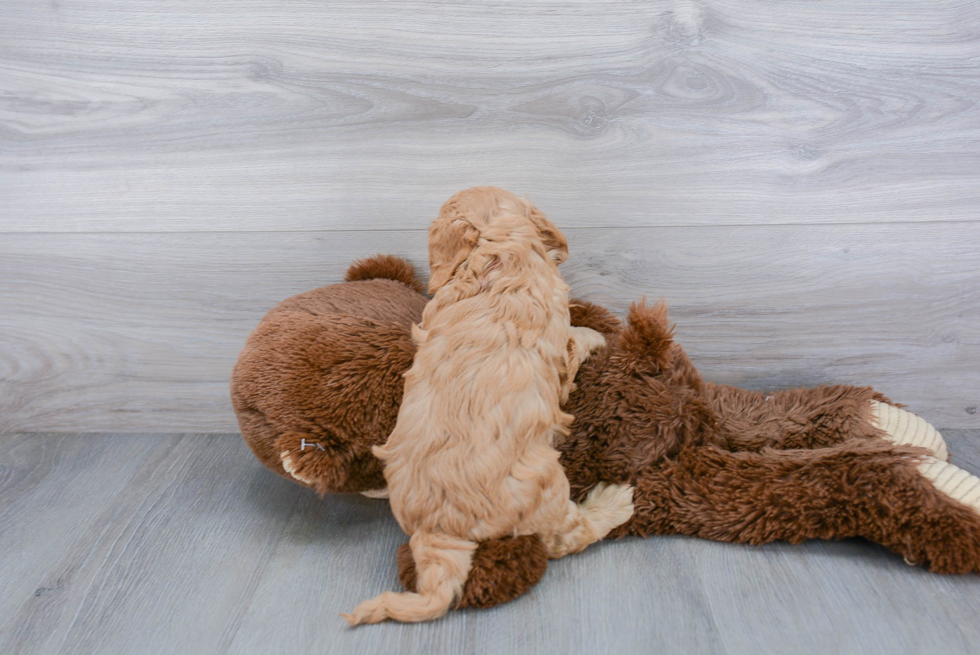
[(452, 237), (554, 241), (646, 343)]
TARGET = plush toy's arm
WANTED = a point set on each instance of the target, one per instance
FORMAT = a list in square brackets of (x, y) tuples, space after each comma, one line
[(926, 510), (814, 418)]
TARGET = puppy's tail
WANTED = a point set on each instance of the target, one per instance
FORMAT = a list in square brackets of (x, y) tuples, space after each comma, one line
[(442, 564)]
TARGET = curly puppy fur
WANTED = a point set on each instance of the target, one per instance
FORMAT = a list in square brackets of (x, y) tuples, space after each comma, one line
[(471, 457)]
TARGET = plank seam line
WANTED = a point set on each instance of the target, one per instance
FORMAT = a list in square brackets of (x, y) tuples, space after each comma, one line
[(566, 229)]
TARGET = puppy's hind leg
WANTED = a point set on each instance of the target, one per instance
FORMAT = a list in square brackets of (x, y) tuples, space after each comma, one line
[(607, 506), (442, 564)]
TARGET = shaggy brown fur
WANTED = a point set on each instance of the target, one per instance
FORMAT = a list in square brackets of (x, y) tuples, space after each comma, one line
[(707, 460), (325, 385), (384, 267)]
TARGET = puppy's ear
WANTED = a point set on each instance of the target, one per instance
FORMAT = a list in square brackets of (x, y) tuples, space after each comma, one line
[(554, 241), (451, 240)]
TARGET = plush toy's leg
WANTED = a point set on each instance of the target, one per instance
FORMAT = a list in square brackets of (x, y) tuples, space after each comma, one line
[(906, 429), (924, 509), (813, 418), (928, 510), (952, 481)]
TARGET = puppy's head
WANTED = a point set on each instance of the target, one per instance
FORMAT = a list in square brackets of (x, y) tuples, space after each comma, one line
[(479, 212)]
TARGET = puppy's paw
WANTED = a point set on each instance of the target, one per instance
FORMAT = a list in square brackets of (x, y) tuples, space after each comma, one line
[(608, 506), (906, 429), (587, 341)]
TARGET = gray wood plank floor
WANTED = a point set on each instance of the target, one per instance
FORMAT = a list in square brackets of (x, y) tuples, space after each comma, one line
[(125, 543)]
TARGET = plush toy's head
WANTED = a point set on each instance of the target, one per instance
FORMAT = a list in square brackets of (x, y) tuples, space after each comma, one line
[(319, 381)]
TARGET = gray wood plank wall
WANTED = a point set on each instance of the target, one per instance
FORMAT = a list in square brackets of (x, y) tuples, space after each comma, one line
[(801, 180)]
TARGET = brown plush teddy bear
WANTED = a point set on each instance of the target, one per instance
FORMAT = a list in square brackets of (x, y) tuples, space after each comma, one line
[(320, 380)]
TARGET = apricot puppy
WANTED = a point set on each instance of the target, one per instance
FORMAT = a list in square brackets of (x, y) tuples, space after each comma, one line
[(471, 457)]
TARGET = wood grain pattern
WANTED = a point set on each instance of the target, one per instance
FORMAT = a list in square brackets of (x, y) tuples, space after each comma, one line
[(168, 566), (190, 546), (140, 331), (244, 115), (51, 488), (801, 180)]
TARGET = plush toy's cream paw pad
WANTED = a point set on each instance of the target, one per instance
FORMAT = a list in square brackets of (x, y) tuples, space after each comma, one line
[(376, 493), (291, 465), (907, 429), (608, 506), (953, 481)]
